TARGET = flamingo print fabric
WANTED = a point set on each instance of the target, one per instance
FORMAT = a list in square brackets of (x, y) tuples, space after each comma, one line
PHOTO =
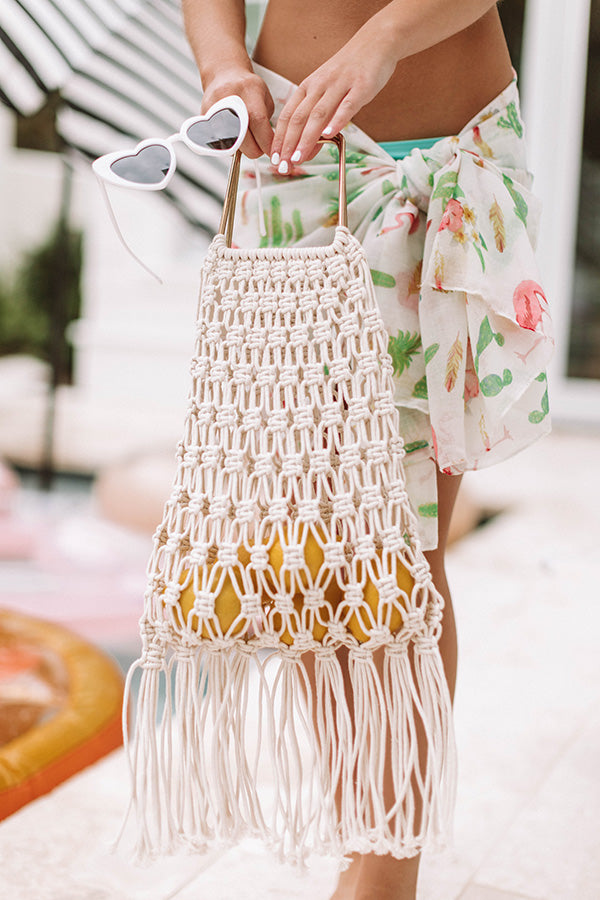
[(449, 235)]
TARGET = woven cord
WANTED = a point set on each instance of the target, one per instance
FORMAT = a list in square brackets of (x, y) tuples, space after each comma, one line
[(288, 527)]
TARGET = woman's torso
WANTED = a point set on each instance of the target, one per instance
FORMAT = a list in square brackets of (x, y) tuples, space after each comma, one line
[(431, 94)]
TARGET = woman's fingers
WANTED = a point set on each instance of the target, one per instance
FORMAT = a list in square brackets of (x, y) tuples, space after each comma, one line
[(329, 98), (250, 148), (290, 115), (309, 114), (260, 132), (326, 125), (259, 103), (346, 110)]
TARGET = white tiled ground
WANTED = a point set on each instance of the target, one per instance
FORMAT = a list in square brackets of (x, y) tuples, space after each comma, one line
[(527, 712)]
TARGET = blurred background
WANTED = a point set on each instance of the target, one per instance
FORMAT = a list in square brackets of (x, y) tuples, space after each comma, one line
[(94, 359)]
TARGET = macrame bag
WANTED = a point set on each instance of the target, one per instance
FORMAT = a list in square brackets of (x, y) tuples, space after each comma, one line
[(287, 537)]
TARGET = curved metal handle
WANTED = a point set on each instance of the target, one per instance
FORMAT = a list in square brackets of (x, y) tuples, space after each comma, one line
[(226, 224)]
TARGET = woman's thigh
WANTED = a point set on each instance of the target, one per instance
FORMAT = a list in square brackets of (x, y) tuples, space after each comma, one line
[(447, 489), (448, 486)]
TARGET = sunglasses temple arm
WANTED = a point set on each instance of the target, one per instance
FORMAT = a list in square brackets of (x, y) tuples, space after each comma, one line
[(113, 219), (261, 212)]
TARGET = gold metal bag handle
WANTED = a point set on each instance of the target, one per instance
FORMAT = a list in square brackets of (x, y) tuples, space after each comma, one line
[(226, 225)]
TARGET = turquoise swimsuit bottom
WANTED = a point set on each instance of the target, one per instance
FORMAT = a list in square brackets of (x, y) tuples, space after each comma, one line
[(399, 149)]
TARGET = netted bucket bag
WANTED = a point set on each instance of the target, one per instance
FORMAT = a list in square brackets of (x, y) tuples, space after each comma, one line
[(290, 629)]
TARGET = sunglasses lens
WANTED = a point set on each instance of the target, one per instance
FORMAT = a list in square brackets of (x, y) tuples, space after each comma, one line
[(148, 166), (220, 132)]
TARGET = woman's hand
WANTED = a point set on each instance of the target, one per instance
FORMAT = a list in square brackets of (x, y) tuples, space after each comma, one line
[(255, 94), (326, 100)]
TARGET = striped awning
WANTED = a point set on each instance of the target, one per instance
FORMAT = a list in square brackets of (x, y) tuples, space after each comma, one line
[(124, 71)]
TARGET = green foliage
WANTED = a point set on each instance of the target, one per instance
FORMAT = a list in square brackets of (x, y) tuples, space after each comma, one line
[(383, 279), (40, 298), (521, 208), (402, 348), (430, 352), (22, 330), (416, 445), (492, 384), (447, 188), (538, 415), (420, 388), (278, 232), (480, 255), (486, 336), (512, 120)]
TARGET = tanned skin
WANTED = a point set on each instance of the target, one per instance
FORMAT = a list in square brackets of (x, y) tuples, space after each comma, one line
[(399, 70)]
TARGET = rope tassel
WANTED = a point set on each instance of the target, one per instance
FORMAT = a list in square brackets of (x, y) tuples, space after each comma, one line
[(290, 615)]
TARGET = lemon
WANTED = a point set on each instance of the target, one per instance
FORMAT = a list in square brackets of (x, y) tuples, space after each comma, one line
[(314, 558), (319, 631), (227, 602), (360, 620)]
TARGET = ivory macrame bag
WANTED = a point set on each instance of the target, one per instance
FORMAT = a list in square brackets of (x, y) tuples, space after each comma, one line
[(287, 536)]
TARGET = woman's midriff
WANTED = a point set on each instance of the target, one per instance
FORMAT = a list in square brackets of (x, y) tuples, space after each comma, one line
[(431, 94)]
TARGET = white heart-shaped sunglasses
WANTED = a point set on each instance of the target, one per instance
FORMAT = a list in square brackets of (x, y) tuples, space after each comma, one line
[(152, 163)]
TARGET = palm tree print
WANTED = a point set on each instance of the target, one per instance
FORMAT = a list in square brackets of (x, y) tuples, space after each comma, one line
[(402, 349)]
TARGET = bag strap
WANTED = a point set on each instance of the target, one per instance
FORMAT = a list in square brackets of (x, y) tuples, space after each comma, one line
[(226, 224)]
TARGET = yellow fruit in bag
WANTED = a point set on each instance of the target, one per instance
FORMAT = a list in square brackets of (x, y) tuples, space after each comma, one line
[(314, 558), (359, 623), (227, 602)]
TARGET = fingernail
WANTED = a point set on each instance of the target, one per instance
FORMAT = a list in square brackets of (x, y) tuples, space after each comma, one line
[(283, 168), (327, 130), (275, 159), (295, 157)]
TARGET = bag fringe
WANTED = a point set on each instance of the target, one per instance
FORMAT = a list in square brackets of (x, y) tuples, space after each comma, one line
[(198, 766)]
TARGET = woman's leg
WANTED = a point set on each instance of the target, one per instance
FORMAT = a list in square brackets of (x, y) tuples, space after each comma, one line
[(372, 877)]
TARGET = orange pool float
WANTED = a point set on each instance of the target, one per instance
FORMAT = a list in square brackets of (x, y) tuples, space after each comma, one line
[(60, 707)]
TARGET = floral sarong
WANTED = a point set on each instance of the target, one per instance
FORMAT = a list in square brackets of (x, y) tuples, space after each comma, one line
[(449, 234)]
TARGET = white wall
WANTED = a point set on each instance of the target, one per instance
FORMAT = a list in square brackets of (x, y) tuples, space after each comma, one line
[(29, 194), (553, 86)]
